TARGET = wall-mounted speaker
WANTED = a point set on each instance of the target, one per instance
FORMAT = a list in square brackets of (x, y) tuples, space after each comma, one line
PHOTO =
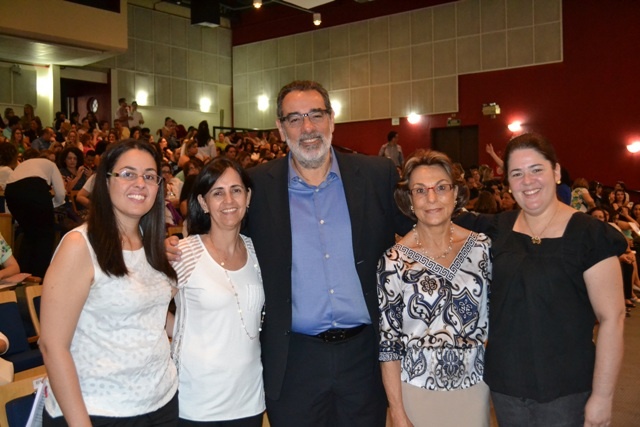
[(205, 12)]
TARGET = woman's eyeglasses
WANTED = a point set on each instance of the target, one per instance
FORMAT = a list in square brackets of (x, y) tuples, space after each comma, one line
[(127, 175), (440, 190)]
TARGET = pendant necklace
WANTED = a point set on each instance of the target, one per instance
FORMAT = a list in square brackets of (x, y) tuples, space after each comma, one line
[(536, 239), (421, 248)]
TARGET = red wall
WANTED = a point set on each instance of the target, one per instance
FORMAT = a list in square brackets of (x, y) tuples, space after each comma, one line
[(588, 105)]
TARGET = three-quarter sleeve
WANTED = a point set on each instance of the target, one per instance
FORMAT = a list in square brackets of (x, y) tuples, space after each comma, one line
[(391, 306)]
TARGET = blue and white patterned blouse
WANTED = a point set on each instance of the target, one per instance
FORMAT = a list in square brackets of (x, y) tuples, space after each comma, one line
[(435, 319)]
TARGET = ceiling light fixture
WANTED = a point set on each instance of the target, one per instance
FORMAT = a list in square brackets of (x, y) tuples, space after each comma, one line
[(257, 4), (317, 19)]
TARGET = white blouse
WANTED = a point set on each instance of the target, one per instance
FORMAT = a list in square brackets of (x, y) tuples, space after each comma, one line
[(120, 346), (217, 348)]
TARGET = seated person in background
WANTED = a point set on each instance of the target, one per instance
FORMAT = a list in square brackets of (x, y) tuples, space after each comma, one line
[(9, 264), (486, 203), (71, 165), (581, 200), (173, 185), (85, 192)]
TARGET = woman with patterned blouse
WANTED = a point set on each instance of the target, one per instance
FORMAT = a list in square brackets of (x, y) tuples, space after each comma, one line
[(432, 291)]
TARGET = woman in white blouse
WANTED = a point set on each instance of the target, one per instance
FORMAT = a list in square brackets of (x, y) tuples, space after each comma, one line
[(105, 300), (220, 305), (432, 292)]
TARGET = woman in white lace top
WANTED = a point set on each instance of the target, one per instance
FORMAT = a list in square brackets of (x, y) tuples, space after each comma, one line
[(105, 300)]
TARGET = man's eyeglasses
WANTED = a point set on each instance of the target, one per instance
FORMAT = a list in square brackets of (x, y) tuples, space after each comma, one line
[(295, 120), (127, 175), (440, 190)]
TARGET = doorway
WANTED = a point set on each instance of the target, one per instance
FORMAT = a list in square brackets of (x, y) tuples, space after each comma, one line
[(79, 96), (460, 143)]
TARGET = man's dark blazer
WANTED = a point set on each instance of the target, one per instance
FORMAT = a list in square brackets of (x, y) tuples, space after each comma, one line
[(369, 183)]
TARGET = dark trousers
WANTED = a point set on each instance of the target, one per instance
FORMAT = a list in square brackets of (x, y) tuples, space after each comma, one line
[(254, 421), (565, 411), (167, 416), (29, 201), (331, 384)]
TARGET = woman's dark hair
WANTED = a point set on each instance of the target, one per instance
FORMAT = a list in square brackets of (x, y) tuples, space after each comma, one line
[(203, 136), (428, 158), (534, 141), (102, 226), (249, 147), (199, 222), (62, 158), (593, 186), (605, 196), (30, 153), (592, 210), (486, 203), (8, 154)]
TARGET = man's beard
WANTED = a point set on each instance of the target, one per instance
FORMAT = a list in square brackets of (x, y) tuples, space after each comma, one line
[(310, 157)]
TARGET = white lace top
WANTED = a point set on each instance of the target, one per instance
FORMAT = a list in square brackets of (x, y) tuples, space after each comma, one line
[(120, 347), (219, 365)]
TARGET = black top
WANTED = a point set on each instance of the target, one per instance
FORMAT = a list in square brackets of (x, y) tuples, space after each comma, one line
[(540, 319)]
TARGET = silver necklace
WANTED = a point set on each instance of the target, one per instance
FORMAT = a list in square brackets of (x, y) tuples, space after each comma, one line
[(421, 248), (235, 294)]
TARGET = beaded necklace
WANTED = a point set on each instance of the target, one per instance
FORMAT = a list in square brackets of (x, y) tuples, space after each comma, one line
[(421, 248), (235, 294)]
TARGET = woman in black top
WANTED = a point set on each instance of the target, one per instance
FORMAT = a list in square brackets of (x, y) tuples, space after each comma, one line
[(555, 272)]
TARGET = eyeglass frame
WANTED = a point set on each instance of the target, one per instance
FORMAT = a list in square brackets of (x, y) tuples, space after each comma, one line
[(146, 177), (441, 192), (324, 111)]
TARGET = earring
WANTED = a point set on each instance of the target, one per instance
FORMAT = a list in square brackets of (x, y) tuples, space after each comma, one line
[(205, 210), (455, 203), (411, 208), (509, 190), (558, 182), (247, 207)]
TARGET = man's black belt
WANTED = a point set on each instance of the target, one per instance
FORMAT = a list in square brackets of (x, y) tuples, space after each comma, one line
[(341, 334)]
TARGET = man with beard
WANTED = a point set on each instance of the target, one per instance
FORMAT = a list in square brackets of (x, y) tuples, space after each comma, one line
[(320, 220)]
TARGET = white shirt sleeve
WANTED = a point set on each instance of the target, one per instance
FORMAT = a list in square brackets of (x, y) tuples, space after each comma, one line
[(58, 186)]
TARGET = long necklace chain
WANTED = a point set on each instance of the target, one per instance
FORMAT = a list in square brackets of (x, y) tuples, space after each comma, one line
[(536, 239), (235, 294), (421, 248), (237, 298)]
